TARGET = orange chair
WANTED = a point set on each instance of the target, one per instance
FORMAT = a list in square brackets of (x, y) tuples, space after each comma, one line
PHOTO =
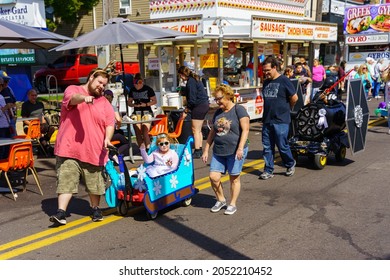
[(160, 126), (33, 133), (179, 126), (20, 158)]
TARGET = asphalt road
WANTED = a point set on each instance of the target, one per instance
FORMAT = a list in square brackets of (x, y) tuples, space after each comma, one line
[(338, 213)]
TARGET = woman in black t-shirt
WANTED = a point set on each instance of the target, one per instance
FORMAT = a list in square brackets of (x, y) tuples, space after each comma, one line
[(197, 105), (142, 97)]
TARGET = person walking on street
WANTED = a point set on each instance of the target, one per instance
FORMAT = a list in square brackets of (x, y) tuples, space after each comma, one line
[(86, 127), (197, 105), (365, 76), (279, 97), (376, 79), (229, 133)]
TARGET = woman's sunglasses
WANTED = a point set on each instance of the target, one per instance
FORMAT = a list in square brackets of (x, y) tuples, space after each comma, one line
[(163, 144)]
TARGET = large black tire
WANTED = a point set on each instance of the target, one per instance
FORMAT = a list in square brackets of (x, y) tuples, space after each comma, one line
[(41, 85), (320, 161), (340, 155)]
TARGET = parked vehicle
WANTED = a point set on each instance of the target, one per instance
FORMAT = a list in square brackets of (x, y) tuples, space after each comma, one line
[(72, 70)]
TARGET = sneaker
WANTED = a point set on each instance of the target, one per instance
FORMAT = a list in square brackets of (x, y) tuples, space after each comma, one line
[(230, 210), (59, 218), (197, 153), (265, 175), (218, 206), (97, 215), (291, 170), (388, 132)]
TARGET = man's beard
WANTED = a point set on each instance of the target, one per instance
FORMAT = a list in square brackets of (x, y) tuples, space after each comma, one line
[(94, 91)]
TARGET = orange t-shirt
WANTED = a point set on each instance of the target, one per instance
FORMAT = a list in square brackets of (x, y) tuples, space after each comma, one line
[(83, 128)]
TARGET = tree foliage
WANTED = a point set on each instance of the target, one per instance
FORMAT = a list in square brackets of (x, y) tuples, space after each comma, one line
[(69, 10)]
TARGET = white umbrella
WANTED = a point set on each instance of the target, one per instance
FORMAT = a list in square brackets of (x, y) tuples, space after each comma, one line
[(14, 31), (119, 31), (38, 44)]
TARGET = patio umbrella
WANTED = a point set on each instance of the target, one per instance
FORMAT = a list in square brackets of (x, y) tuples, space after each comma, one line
[(14, 31), (38, 44), (119, 31)]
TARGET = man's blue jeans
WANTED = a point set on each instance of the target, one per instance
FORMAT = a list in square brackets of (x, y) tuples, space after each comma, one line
[(276, 134), (375, 88)]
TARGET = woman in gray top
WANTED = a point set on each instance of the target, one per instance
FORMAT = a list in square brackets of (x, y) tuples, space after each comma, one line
[(229, 133)]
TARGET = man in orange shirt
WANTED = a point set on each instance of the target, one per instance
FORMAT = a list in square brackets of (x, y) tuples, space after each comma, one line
[(86, 128)]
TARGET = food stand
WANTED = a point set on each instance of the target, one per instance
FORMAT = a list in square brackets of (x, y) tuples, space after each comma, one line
[(366, 30), (225, 45)]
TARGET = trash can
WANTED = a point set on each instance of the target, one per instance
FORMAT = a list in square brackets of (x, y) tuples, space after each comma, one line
[(187, 127)]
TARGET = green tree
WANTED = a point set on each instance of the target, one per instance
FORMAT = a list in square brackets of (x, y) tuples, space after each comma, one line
[(68, 10)]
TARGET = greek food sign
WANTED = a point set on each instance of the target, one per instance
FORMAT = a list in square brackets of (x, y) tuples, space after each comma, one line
[(367, 19)]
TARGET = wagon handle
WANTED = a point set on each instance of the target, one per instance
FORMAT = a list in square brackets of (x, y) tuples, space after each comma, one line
[(328, 90)]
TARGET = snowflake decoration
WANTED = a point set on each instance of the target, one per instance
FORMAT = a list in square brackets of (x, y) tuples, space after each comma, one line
[(157, 188), (173, 181), (187, 158), (141, 172), (140, 185)]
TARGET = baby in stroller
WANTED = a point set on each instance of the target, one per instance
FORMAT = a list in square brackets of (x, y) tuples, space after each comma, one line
[(162, 160)]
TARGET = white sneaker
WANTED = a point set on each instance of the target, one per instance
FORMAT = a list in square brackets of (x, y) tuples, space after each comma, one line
[(218, 206)]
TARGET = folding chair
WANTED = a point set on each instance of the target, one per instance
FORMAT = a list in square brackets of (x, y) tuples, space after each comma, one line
[(160, 126), (179, 126), (20, 158), (34, 133)]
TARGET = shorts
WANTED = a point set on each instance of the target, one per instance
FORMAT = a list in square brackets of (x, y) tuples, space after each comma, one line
[(230, 163), (199, 112), (70, 171)]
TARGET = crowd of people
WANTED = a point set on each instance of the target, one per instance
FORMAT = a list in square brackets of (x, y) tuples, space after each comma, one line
[(90, 124)]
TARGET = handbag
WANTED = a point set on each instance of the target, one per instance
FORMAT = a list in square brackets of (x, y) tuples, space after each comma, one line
[(368, 84)]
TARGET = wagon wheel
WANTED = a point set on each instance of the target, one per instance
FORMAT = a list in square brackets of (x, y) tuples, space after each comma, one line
[(151, 216), (320, 161), (187, 202), (340, 155), (122, 208)]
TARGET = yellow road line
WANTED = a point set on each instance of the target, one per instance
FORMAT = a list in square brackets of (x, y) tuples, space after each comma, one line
[(249, 167), (57, 238)]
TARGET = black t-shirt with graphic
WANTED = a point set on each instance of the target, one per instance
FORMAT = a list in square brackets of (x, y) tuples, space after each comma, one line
[(142, 95), (276, 94)]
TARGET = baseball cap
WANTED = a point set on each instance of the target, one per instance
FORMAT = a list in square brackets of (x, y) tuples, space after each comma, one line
[(296, 60), (5, 76), (108, 92)]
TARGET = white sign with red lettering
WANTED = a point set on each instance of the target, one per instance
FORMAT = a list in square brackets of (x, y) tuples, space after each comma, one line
[(365, 39), (189, 26), (263, 28), (153, 64)]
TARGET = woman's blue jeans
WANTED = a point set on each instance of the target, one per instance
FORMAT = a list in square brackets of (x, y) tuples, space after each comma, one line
[(276, 134)]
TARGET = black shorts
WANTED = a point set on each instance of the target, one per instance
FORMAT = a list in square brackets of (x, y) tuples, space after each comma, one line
[(199, 112)]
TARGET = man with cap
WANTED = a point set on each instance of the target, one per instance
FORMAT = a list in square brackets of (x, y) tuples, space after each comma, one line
[(10, 99)]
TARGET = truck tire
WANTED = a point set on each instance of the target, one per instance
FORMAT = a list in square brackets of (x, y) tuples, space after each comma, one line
[(41, 85)]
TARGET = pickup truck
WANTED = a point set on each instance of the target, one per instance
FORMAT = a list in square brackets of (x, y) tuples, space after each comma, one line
[(72, 70)]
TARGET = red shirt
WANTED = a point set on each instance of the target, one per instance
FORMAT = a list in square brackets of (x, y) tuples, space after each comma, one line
[(83, 128)]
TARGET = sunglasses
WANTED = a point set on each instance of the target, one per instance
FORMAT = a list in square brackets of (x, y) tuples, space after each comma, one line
[(364, 68), (216, 99), (163, 144)]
